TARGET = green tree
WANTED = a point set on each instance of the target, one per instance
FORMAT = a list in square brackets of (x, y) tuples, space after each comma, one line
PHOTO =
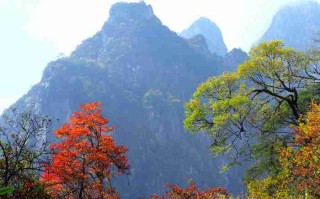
[(23, 150), (222, 108), (248, 112), (276, 72)]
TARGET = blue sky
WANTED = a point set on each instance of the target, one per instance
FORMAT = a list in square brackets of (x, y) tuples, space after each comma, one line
[(34, 32)]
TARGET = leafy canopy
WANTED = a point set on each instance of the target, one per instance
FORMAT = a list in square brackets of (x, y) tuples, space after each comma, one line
[(86, 160), (248, 112)]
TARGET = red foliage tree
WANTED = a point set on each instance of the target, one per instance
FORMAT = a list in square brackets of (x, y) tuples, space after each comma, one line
[(84, 163), (192, 192)]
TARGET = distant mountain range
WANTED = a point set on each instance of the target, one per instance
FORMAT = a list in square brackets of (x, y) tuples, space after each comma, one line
[(210, 32), (143, 73), (297, 25)]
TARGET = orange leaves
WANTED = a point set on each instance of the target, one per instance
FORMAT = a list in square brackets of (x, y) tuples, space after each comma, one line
[(91, 108), (300, 164), (302, 160), (306, 157), (84, 163), (193, 192)]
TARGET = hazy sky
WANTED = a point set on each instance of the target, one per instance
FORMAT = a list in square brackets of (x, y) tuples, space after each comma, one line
[(34, 32)]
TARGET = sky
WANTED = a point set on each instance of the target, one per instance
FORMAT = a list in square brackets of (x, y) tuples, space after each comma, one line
[(35, 32)]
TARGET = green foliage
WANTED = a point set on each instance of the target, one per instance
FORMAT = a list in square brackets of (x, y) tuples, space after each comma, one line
[(22, 150), (247, 112), (276, 72), (271, 60), (217, 102), (222, 106), (6, 191), (306, 95), (266, 155)]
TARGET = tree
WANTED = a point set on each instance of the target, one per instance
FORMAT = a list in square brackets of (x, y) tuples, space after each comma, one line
[(276, 72), (222, 108), (312, 71), (248, 112), (300, 164), (192, 192), (23, 149), (86, 160), (305, 154), (278, 185)]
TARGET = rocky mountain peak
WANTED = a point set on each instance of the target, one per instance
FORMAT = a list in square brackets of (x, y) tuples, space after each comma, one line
[(143, 73), (205, 21), (130, 12), (211, 33)]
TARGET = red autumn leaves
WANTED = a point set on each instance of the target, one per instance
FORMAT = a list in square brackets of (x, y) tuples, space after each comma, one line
[(84, 163), (192, 192)]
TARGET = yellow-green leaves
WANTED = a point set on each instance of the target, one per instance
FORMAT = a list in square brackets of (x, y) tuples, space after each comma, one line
[(213, 101), (256, 102), (276, 72), (220, 106), (196, 116), (218, 87), (275, 62)]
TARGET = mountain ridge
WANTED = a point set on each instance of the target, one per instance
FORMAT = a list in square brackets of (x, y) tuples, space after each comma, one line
[(143, 73), (297, 25)]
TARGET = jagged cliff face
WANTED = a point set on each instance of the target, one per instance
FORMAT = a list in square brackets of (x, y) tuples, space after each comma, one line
[(143, 73), (210, 32), (296, 25)]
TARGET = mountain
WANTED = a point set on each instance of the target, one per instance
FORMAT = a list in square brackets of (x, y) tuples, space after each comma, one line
[(232, 59), (297, 25), (199, 44), (143, 73), (211, 33)]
